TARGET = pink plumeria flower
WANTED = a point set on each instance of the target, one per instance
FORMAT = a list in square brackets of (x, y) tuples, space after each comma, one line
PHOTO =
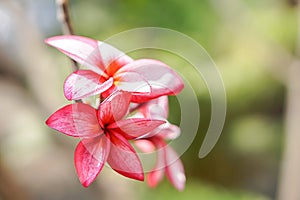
[(167, 161), (104, 136), (109, 69)]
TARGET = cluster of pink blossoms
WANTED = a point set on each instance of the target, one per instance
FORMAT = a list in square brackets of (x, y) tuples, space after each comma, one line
[(133, 110)]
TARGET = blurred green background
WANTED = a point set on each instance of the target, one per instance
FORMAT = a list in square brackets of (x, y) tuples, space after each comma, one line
[(252, 42)]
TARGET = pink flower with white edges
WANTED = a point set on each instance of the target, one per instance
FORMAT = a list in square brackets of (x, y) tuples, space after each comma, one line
[(167, 161), (109, 69), (104, 135)]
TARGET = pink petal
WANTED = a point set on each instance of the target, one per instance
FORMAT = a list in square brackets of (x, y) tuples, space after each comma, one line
[(132, 82), (144, 145), (77, 120), (157, 174), (81, 49), (112, 58), (169, 131), (156, 108), (155, 177), (90, 157), (85, 83), (162, 79), (174, 169), (108, 92), (94, 54), (114, 107), (123, 158), (135, 127)]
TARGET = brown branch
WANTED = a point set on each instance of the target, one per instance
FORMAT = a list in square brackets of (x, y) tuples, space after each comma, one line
[(63, 17)]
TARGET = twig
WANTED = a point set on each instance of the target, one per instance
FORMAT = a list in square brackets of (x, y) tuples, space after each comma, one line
[(64, 17)]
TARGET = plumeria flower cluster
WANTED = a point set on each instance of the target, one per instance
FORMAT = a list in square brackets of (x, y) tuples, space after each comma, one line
[(133, 110)]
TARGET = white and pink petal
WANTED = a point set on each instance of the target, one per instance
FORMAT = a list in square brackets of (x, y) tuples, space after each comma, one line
[(174, 169), (135, 127), (156, 175), (169, 131), (112, 58), (85, 83), (123, 158), (77, 120), (132, 82), (96, 55), (146, 146), (81, 49), (90, 157), (114, 107), (162, 79), (157, 108)]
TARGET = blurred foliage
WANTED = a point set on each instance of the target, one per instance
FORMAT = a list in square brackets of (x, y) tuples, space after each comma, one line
[(196, 18), (197, 191)]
